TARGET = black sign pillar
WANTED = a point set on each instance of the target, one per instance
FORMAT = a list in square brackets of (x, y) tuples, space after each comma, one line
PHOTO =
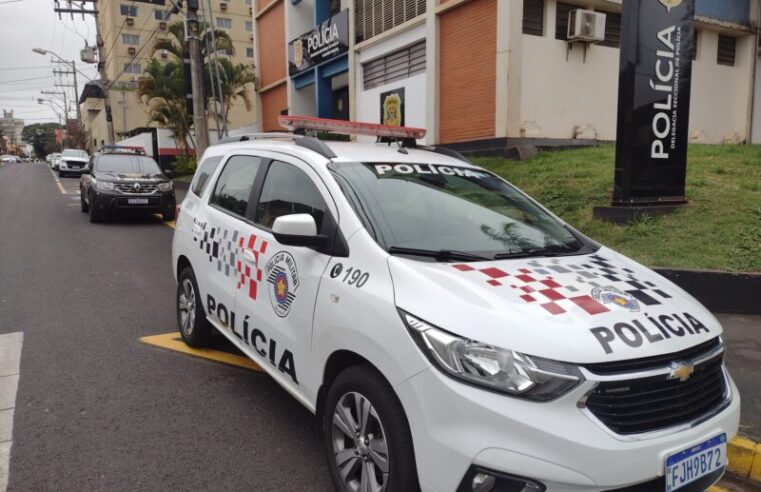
[(655, 70)]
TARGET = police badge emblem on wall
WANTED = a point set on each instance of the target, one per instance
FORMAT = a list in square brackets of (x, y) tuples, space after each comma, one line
[(670, 4), (283, 278), (392, 107)]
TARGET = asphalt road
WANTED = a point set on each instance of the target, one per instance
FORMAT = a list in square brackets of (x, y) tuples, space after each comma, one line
[(98, 410)]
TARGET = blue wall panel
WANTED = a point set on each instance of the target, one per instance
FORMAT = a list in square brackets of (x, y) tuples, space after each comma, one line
[(736, 11)]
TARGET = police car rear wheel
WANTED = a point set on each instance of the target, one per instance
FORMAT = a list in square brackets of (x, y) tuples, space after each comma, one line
[(367, 436), (194, 328)]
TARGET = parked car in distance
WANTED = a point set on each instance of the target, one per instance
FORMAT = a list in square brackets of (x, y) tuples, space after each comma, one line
[(125, 181), (72, 161), (9, 159)]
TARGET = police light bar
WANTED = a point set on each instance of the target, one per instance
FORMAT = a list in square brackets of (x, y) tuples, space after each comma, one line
[(349, 127)]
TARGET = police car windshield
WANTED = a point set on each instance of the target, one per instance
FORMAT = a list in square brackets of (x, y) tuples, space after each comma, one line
[(435, 207), (127, 164)]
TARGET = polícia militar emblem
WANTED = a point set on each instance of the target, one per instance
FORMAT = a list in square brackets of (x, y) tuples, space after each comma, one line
[(670, 4), (283, 278), (611, 295)]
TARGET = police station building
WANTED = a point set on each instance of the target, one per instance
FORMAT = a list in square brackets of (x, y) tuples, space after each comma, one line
[(484, 73)]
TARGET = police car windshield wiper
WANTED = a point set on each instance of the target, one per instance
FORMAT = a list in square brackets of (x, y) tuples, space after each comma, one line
[(440, 254), (545, 252)]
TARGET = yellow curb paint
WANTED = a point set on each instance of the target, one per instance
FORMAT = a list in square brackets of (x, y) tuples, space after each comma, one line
[(169, 223), (716, 488), (741, 452), (172, 341), (755, 467)]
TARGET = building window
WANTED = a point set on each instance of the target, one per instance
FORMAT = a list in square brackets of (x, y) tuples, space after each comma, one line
[(131, 39), (533, 17), (249, 26), (250, 52), (373, 17), (561, 20), (161, 15), (224, 23), (695, 44), (128, 10), (133, 68), (612, 30), (394, 66), (726, 52)]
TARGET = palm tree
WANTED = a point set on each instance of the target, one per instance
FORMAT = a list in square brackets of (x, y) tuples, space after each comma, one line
[(161, 88), (234, 80), (176, 43)]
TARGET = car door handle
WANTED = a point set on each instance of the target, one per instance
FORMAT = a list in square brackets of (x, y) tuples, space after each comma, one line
[(248, 256)]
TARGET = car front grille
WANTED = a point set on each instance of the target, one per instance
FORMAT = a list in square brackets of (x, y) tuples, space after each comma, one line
[(129, 188), (634, 406), (74, 164)]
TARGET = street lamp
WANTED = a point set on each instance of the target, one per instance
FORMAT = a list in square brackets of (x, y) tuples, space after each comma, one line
[(74, 71)]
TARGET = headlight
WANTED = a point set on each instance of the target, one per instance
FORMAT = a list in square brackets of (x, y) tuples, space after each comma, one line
[(493, 368), (165, 186), (104, 185)]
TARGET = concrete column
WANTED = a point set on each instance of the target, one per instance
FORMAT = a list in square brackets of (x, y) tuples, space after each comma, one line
[(508, 67), (432, 72)]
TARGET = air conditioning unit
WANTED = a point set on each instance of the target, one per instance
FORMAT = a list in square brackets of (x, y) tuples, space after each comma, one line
[(586, 25), (162, 25), (87, 54), (251, 10), (223, 6), (131, 50), (251, 37), (129, 21)]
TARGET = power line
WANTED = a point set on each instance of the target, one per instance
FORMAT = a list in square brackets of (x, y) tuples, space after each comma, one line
[(23, 80)]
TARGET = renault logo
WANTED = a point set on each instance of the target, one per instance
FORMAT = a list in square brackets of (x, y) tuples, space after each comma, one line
[(681, 371), (136, 187)]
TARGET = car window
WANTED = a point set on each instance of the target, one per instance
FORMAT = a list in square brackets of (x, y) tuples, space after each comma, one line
[(288, 190), (233, 187), (208, 166), (127, 164)]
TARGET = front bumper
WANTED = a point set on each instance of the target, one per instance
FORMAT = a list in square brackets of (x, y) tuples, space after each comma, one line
[(149, 203), (456, 427)]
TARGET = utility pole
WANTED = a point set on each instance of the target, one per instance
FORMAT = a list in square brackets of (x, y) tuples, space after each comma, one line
[(192, 28)]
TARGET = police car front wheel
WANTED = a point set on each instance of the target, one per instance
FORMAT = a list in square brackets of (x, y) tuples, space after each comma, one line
[(366, 433), (191, 320)]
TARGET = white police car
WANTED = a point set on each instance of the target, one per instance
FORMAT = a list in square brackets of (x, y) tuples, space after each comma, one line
[(449, 332)]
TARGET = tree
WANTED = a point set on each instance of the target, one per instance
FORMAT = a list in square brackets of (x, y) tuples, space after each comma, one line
[(41, 136), (234, 79), (161, 88), (176, 43)]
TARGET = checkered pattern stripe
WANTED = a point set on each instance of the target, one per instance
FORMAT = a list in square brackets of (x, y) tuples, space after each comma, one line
[(224, 248), (555, 286)]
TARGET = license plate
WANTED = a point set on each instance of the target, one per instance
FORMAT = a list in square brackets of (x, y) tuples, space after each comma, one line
[(690, 464), (137, 201)]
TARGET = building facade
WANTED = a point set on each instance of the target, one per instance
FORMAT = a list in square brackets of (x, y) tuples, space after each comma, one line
[(129, 30), (12, 128), (483, 72)]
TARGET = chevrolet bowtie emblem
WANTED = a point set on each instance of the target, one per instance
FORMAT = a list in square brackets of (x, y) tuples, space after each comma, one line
[(681, 371)]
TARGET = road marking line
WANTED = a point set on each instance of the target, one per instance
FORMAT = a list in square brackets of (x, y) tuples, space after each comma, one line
[(10, 362), (172, 341)]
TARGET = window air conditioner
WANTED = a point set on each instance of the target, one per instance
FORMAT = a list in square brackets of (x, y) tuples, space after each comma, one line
[(130, 21), (131, 50), (162, 25), (223, 6), (251, 37), (251, 10), (586, 25)]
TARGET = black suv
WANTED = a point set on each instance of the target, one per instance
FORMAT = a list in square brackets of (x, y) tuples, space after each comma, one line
[(120, 179)]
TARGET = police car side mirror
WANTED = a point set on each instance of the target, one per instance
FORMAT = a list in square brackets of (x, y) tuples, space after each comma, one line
[(297, 230)]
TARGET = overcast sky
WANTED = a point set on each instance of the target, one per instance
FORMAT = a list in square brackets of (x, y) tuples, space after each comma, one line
[(28, 24)]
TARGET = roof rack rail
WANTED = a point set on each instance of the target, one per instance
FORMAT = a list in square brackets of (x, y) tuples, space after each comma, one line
[(311, 143)]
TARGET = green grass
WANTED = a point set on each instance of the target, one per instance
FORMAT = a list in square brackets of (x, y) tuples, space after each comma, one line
[(720, 228), (186, 178)]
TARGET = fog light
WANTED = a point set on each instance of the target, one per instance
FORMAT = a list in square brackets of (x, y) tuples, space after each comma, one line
[(483, 483)]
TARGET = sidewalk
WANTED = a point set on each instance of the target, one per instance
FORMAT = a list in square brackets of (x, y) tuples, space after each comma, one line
[(742, 336)]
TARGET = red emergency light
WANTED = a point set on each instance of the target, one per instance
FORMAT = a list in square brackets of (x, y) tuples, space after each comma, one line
[(349, 127)]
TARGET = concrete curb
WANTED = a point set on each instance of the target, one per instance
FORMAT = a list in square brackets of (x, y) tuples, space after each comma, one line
[(720, 292), (744, 459)]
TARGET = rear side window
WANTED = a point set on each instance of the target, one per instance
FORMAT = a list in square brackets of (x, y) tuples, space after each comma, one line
[(202, 174), (288, 190), (234, 185)]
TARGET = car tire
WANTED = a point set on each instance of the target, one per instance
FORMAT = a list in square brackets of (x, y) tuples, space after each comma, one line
[(195, 329), (355, 446), (82, 202), (60, 174)]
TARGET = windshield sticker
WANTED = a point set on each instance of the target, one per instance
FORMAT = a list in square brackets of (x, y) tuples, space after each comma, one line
[(390, 169), (558, 287), (283, 278)]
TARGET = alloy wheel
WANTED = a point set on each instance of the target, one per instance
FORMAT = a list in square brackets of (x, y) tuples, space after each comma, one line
[(187, 307), (359, 445)]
